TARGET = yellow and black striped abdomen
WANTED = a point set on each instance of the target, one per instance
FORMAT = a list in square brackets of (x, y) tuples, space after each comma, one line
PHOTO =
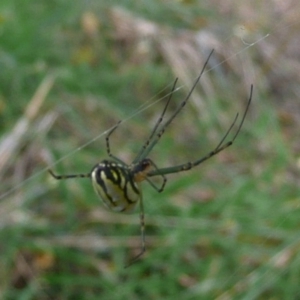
[(114, 183)]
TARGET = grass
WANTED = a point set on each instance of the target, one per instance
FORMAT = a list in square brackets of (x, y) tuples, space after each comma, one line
[(225, 230)]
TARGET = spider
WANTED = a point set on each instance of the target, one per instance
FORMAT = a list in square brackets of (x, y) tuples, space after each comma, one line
[(118, 184)]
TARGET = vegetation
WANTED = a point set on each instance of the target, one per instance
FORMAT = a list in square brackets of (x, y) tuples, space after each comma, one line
[(70, 70)]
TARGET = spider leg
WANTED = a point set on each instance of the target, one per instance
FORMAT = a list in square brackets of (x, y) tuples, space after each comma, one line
[(108, 151), (220, 147), (168, 122), (155, 187), (162, 175), (245, 113), (144, 147), (59, 177), (143, 243)]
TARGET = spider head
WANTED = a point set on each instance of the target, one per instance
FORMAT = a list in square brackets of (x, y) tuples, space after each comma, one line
[(141, 169)]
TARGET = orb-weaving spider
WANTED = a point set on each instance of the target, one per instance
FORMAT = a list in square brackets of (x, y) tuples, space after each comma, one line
[(118, 184)]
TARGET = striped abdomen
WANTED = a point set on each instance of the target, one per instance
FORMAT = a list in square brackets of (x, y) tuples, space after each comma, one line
[(116, 186)]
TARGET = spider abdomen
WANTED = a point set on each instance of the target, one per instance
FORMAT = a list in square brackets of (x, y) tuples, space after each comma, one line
[(114, 183)]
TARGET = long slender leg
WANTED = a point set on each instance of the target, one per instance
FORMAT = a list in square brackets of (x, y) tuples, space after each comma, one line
[(146, 144), (220, 147), (108, 144), (59, 177), (245, 113), (143, 242), (183, 103), (162, 175)]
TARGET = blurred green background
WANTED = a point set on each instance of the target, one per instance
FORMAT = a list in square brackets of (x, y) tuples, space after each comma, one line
[(69, 70)]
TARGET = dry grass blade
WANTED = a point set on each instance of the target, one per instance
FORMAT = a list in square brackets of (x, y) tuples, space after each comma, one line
[(12, 141)]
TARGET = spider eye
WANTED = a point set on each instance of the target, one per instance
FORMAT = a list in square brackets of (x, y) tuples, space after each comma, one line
[(145, 164), (142, 167), (140, 171)]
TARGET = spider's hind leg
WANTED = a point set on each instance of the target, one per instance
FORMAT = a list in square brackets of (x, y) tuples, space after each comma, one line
[(143, 241)]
